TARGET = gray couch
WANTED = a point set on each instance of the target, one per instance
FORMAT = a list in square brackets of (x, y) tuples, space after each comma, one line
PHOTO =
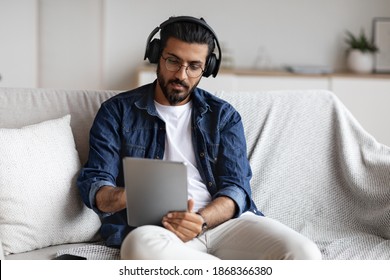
[(314, 168)]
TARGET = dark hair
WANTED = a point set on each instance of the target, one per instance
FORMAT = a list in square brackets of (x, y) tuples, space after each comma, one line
[(188, 32)]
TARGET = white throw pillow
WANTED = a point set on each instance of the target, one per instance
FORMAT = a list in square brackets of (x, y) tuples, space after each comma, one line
[(39, 202)]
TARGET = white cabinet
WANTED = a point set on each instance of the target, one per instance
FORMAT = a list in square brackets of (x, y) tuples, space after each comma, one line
[(229, 81), (368, 99), (280, 82)]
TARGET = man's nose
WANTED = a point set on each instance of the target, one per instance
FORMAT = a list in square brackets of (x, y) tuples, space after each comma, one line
[(182, 73)]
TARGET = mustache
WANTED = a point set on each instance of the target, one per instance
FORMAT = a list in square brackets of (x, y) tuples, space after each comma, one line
[(179, 82)]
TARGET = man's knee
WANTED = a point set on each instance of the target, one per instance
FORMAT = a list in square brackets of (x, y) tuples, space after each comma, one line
[(307, 250), (145, 242), (133, 245)]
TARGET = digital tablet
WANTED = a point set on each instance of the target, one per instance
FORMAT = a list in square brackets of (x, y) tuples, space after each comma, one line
[(153, 188)]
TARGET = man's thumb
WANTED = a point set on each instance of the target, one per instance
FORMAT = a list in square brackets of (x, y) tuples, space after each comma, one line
[(190, 205)]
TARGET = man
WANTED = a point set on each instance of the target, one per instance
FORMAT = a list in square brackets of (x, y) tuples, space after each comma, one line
[(172, 119)]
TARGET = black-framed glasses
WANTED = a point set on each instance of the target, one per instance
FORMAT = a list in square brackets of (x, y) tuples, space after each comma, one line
[(193, 70)]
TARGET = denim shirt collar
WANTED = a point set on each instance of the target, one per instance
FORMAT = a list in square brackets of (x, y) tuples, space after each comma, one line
[(146, 102)]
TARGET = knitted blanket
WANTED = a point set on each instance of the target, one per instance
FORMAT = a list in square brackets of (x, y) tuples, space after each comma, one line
[(318, 171)]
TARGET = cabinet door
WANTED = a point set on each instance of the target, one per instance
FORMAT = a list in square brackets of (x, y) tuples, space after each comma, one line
[(232, 82), (261, 83), (18, 43), (369, 101), (222, 82)]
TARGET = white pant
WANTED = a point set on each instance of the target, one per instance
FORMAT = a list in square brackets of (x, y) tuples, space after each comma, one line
[(248, 237)]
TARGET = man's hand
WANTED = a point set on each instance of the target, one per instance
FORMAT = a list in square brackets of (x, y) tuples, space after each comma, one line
[(186, 225)]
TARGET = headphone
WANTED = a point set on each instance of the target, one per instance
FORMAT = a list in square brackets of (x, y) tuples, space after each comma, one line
[(153, 47)]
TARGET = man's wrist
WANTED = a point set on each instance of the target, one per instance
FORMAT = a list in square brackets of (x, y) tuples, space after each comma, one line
[(204, 224)]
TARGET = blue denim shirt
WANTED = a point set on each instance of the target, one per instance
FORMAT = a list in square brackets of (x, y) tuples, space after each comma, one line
[(128, 125)]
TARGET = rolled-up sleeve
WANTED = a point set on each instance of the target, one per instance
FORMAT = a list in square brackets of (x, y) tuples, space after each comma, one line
[(233, 168), (104, 158)]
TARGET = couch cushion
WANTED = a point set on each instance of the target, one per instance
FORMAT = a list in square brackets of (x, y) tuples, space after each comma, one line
[(47, 253), (39, 202)]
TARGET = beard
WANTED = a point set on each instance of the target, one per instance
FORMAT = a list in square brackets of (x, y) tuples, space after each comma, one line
[(174, 96)]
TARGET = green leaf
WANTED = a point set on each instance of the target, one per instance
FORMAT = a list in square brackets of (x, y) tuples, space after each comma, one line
[(360, 42)]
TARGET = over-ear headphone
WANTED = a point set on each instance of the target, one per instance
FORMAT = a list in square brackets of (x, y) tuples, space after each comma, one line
[(153, 47)]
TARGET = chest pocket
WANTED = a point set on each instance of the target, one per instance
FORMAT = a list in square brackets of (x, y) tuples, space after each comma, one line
[(132, 150), (134, 142)]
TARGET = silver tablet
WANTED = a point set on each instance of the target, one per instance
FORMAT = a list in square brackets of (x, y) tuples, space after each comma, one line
[(154, 188)]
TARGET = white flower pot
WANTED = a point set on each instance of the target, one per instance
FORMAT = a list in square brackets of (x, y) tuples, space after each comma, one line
[(360, 62)]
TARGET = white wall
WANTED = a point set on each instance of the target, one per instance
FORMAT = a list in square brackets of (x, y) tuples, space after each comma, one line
[(282, 31), (70, 44), (18, 43), (100, 43)]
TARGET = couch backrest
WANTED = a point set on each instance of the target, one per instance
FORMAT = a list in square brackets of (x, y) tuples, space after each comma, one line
[(20, 107)]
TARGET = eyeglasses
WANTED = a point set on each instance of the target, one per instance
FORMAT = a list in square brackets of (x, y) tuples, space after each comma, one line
[(173, 64)]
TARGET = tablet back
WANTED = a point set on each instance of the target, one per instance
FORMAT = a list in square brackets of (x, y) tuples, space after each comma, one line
[(153, 188)]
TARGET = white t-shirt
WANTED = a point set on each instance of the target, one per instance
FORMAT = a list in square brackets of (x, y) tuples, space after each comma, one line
[(178, 147)]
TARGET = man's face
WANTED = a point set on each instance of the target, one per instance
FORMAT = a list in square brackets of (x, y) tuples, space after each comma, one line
[(175, 87)]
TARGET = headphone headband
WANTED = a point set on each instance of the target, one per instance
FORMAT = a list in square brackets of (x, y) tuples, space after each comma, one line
[(152, 46)]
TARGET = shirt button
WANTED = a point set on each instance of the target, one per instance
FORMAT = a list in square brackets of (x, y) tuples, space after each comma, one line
[(210, 184), (201, 154)]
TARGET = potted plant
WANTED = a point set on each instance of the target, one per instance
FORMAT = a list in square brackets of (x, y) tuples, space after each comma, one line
[(360, 57)]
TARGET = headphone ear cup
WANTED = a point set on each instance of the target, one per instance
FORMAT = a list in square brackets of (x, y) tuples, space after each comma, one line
[(211, 66), (154, 51)]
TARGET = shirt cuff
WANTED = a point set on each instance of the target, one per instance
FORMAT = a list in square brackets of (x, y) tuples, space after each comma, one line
[(237, 195)]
